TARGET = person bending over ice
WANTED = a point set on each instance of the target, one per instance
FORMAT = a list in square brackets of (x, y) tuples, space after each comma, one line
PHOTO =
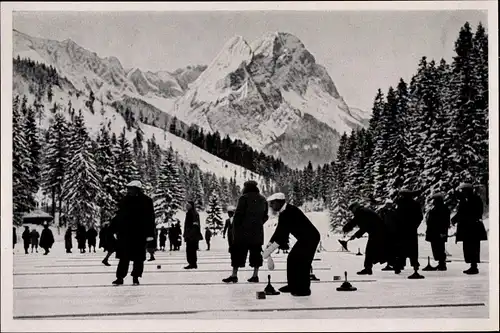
[(293, 221)]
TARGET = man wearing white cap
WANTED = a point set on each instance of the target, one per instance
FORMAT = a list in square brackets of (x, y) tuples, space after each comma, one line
[(134, 225), (293, 221), (470, 227)]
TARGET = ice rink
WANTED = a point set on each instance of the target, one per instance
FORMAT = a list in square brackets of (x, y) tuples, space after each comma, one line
[(78, 286)]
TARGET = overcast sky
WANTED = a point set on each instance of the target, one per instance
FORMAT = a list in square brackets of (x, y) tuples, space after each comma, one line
[(362, 51)]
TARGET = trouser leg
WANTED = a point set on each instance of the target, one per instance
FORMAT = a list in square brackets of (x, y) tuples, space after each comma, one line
[(122, 269), (137, 268), (255, 259), (472, 251)]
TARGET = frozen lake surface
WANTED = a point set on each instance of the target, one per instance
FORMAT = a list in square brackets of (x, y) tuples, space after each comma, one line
[(78, 286)]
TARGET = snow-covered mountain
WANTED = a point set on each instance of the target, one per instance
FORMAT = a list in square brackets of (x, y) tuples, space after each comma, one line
[(106, 77), (271, 94), (107, 114)]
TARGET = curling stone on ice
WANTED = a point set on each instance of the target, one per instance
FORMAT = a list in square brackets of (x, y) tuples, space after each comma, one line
[(269, 290), (313, 277), (416, 276), (158, 266), (359, 252), (261, 295), (428, 267), (346, 285)]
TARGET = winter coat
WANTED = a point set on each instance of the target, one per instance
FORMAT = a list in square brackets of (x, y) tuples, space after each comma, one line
[(192, 231), (292, 221), (388, 215), (409, 216), (133, 224), (163, 237), (68, 241), (107, 240), (208, 235), (438, 223), (46, 239), (468, 218), (249, 218), (368, 221), (34, 237), (81, 236), (91, 236), (26, 236)]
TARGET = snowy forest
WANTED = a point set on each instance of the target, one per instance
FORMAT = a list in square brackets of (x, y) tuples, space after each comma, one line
[(428, 134)]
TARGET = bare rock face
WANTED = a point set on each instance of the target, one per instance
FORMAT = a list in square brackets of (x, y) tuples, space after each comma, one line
[(272, 95)]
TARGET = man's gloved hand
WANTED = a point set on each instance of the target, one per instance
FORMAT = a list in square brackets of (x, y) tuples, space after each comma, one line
[(149, 239)]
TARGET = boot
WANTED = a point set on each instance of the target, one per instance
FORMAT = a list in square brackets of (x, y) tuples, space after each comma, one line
[(284, 289), (301, 293), (231, 279), (441, 266), (253, 279), (135, 281), (118, 282), (191, 267), (106, 263), (415, 276), (365, 271), (472, 270), (388, 268)]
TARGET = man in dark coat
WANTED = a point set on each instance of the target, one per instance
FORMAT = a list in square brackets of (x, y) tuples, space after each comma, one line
[(368, 222), (248, 231), (26, 236), (178, 234), (172, 237), (46, 239), (134, 226), (108, 242), (35, 236), (408, 218), (208, 237), (163, 238), (91, 238), (68, 242), (192, 235), (81, 237), (470, 227), (228, 227), (438, 223), (388, 215), (293, 221)]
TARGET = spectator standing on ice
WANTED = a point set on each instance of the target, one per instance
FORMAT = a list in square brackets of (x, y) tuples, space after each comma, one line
[(68, 241), (91, 238), (293, 221), (151, 246), (26, 236), (81, 237), (108, 242), (470, 227), (163, 238), (408, 218), (248, 231), (46, 239), (14, 237), (368, 221), (208, 237), (228, 227), (438, 223), (192, 235), (388, 215), (35, 236), (134, 226)]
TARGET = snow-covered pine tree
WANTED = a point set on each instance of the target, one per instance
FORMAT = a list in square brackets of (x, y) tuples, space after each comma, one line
[(306, 182), (56, 159), (214, 218), (224, 192), (480, 80), (338, 202), (126, 167), (198, 193), (22, 199), (82, 185), (110, 190), (33, 140), (162, 198)]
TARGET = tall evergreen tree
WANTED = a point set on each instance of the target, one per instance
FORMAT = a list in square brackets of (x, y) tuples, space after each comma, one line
[(214, 218), (33, 141)]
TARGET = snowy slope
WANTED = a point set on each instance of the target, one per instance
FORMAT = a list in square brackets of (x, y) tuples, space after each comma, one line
[(107, 115)]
